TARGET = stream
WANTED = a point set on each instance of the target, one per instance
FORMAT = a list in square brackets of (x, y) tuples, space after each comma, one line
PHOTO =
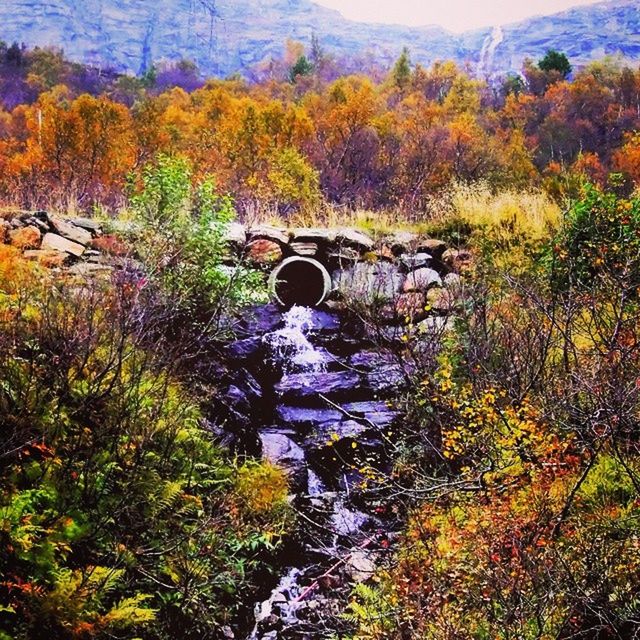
[(325, 394)]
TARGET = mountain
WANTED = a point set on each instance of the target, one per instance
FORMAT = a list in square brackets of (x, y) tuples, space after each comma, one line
[(227, 36)]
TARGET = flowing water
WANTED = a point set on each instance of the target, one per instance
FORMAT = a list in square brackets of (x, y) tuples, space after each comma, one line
[(291, 347), (333, 528)]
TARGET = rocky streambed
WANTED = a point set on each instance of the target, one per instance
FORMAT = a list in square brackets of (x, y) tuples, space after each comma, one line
[(322, 398)]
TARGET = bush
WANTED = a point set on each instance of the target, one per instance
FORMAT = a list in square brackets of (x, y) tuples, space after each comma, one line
[(182, 244), (117, 512), (599, 243)]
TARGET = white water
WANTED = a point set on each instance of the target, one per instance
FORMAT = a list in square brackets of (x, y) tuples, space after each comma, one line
[(284, 595), (292, 348), (488, 52)]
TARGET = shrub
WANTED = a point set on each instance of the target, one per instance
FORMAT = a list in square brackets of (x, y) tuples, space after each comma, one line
[(599, 243), (116, 506)]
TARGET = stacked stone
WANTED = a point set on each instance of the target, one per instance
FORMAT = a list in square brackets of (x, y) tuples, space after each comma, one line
[(409, 276), (56, 242)]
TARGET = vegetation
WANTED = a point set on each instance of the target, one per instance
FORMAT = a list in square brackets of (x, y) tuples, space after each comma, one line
[(305, 133), (520, 463), (119, 515), (517, 468)]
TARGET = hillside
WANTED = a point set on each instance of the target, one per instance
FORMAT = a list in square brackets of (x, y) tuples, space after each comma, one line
[(227, 36)]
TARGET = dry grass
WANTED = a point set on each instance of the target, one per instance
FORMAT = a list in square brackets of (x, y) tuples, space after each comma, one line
[(529, 213)]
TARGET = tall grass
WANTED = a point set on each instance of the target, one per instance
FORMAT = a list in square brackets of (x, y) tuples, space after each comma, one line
[(530, 213)]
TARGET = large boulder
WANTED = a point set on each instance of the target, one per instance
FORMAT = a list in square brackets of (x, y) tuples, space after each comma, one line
[(306, 389)]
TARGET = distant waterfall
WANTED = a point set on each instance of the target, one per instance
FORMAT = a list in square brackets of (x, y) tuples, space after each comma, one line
[(487, 53)]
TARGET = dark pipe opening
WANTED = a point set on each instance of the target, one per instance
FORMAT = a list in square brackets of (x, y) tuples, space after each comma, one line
[(300, 281)]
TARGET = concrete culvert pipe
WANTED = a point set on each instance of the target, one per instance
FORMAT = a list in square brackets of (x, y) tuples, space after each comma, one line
[(299, 281)]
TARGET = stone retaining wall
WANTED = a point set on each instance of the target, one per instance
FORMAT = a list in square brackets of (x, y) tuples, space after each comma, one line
[(412, 275)]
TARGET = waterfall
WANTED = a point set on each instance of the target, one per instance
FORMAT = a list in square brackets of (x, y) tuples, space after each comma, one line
[(290, 345), (487, 53)]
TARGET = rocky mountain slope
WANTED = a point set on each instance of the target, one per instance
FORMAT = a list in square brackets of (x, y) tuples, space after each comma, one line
[(227, 36)]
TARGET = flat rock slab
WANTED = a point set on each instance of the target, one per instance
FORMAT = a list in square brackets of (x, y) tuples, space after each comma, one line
[(87, 223), (70, 231), (268, 232), (58, 243), (370, 360), (308, 249), (355, 239), (376, 413), (318, 235), (307, 388), (245, 349), (302, 418)]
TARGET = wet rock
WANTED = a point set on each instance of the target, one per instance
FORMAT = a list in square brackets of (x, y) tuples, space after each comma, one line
[(268, 232), (25, 237), (323, 322), (421, 280), (303, 419), (368, 283), (58, 243), (433, 247), (70, 231), (376, 413), (355, 239), (370, 359), (245, 350), (279, 449), (385, 380), (47, 258), (306, 388), (262, 319), (416, 261), (264, 252)]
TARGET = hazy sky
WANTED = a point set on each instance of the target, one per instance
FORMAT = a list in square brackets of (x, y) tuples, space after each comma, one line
[(456, 15)]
